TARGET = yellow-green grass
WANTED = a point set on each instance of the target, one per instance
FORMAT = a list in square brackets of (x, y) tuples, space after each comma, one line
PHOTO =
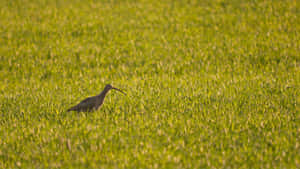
[(210, 84)]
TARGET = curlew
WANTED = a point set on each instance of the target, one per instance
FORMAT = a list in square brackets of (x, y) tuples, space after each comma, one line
[(93, 103)]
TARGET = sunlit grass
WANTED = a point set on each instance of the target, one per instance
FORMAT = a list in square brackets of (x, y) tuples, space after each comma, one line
[(210, 84)]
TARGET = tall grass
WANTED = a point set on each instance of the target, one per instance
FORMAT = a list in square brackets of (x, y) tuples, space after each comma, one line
[(210, 84)]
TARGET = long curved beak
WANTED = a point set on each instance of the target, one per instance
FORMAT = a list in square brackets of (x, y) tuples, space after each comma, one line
[(119, 90)]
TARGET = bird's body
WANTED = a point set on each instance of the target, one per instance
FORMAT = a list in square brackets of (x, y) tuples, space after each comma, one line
[(93, 103)]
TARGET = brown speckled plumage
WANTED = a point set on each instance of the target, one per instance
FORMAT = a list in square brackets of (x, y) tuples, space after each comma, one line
[(93, 103)]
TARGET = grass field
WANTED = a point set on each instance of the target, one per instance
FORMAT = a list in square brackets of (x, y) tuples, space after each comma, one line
[(210, 84)]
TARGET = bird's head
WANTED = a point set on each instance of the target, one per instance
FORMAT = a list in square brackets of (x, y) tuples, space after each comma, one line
[(108, 87)]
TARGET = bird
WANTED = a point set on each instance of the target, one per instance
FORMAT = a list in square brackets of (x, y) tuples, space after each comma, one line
[(93, 103)]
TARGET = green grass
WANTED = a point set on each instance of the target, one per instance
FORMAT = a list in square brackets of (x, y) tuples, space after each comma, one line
[(210, 84)]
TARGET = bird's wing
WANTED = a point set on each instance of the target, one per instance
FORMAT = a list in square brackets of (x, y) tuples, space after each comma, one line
[(85, 105), (87, 100)]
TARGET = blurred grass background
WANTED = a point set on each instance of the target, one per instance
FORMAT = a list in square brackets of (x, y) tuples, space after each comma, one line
[(210, 84)]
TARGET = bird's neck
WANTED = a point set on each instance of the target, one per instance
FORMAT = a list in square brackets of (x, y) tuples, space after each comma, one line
[(103, 93)]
